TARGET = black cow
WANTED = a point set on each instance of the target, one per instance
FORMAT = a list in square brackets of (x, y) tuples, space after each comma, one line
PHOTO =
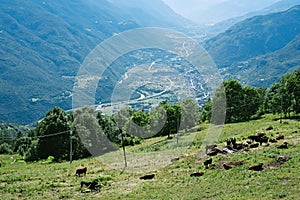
[(90, 185)]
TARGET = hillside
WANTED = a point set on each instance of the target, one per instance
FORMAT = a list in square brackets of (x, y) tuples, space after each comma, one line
[(12, 130), (279, 6), (249, 40), (278, 180), (43, 44), (269, 68)]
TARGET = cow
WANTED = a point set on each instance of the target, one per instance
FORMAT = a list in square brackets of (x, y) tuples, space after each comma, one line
[(208, 147), (227, 167), (280, 137), (213, 152), (283, 146), (207, 162), (147, 176), (196, 174), (81, 170), (272, 140), (90, 185), (254, 145), (257, 167)]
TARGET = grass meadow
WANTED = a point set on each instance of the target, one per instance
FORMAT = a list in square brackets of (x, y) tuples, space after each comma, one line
[(47, 180)]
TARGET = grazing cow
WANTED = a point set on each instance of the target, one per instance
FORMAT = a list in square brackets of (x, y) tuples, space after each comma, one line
[(272, 140), (81, 170), (245, 144), (280, 137), (233, 141), (227, 167), (238, 146), (253, 137), (174, 159), (213, 152), (257, 167), (196, 174), (147, 176), (208, 147), (90, 185), (283, 146), (259, 137), (207, 162), (228, 142), (254, 145), (282, 159), (263, 139)]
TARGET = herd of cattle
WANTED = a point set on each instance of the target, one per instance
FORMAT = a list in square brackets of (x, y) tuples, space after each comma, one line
[(232, 146)]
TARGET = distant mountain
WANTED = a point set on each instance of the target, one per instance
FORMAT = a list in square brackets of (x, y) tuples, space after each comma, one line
[(220, 10), (269, 68), (266, 44), (43, 43), (279, 6), (151, 13)]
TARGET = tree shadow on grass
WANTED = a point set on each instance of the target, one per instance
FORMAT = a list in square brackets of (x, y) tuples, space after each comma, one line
[(297, 118)]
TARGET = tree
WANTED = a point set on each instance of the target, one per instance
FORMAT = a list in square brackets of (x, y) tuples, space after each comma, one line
[(22, 145), (90, 132), (252, 102), (53, 133), (190, 112), (206, 111), (110, 128), (284, 96), (236, 102), (293, 89), (172, 123), (5, 148)]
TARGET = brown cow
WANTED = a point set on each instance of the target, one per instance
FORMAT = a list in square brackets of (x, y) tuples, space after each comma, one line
[(280, 137), (147, 176), (227, 167), (81, 170), (257, 167), (209, 147)]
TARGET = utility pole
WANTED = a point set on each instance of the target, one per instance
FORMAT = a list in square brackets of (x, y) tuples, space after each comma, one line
[(123, 146), (71, 150)]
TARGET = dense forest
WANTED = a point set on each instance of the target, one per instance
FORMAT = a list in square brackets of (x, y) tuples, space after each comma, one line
[(93, 133)]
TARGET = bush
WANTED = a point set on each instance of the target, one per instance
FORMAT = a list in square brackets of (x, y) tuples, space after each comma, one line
[(31, 154), (131, 141), (5, 149)]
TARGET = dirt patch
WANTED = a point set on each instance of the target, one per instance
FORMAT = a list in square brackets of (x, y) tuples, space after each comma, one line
[(280, 160), (286, 180)]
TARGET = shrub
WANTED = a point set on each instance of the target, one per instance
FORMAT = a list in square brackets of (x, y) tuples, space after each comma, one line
[(5, 149)]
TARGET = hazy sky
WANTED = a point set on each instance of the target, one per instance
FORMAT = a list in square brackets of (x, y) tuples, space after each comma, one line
[(212, 11), (187, 7)]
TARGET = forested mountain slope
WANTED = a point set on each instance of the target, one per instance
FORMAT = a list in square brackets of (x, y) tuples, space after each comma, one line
[(260, 44), (43, 44)]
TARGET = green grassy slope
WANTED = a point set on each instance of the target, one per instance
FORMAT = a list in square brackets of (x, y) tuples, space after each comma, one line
[(43, 180)]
